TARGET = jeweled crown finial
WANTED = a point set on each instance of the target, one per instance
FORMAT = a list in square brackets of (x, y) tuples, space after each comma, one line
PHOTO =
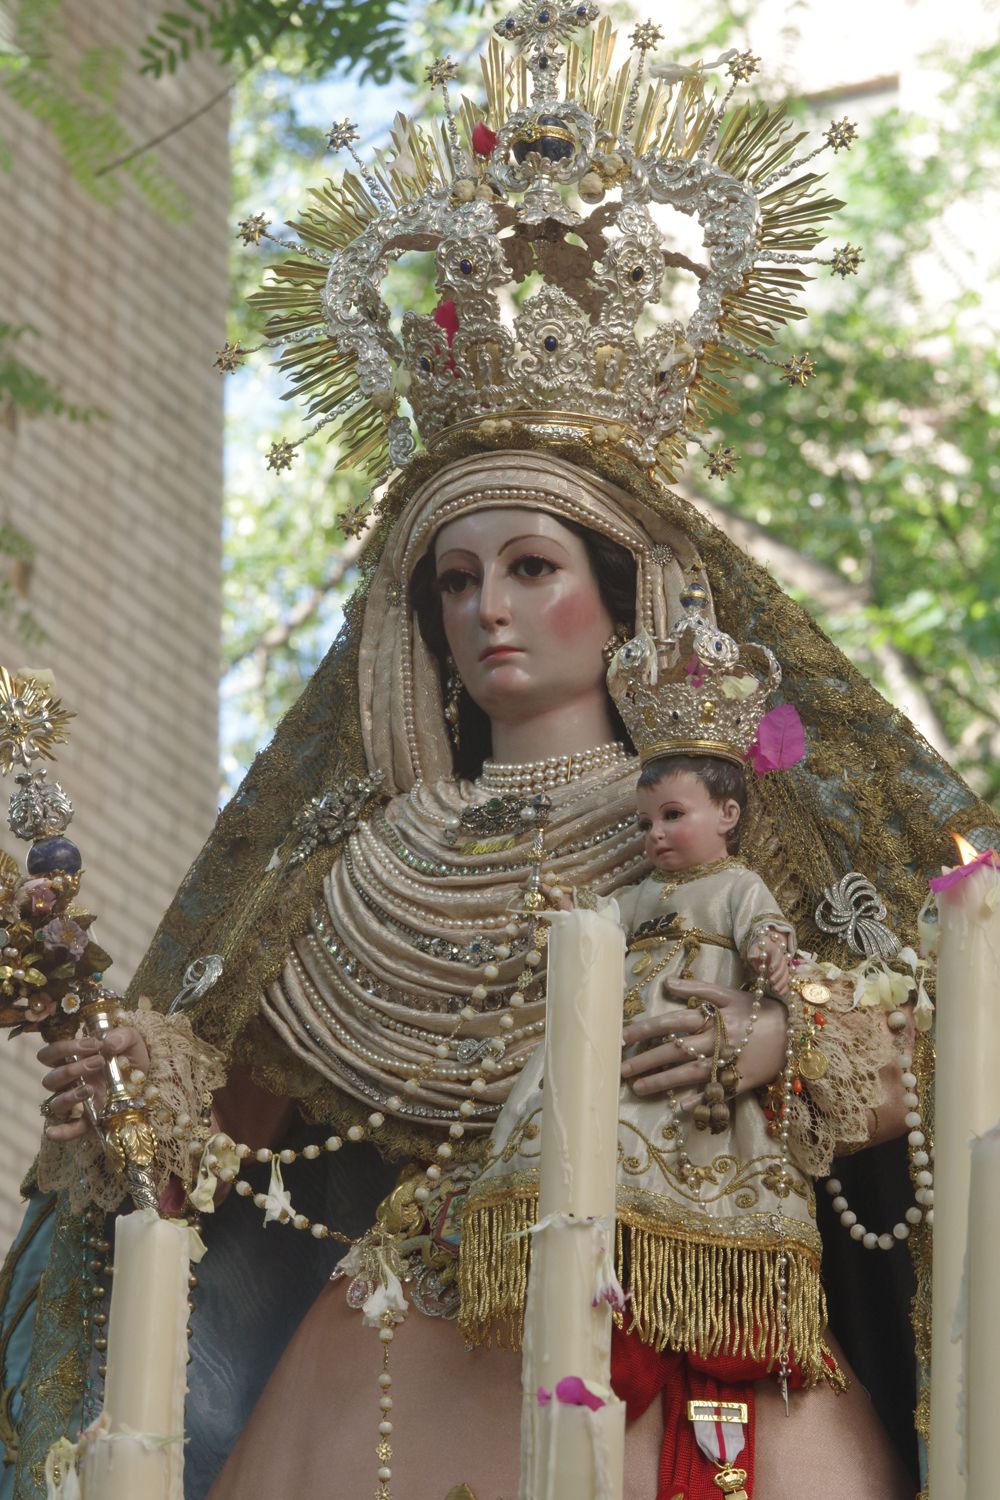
[(694, 692)]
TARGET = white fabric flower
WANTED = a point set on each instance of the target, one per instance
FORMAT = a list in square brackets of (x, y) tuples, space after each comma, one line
[(386, 1300)]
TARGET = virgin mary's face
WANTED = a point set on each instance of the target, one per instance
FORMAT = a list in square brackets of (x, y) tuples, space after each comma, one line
[(522, 612)]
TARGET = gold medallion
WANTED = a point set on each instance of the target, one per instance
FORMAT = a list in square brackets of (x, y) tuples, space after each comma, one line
[(815, 993), (812, 1064)]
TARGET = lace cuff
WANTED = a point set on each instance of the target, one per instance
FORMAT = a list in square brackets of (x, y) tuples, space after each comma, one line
[(832, 1111), (183, 1073)]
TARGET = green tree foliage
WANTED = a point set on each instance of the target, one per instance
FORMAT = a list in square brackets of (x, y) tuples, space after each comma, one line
[(328, 35), (75, 93), (884, 470)]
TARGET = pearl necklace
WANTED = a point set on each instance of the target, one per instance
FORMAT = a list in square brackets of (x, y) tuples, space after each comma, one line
[(923, 1177), (499, 779)]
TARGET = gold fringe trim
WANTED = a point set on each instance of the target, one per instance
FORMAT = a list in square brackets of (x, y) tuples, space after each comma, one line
[(686, 1292)]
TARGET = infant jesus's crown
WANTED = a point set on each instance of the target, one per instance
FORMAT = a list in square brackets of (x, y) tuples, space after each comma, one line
[(694, 693)]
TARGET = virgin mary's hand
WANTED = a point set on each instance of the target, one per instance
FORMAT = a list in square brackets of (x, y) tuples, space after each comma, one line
[(668, 1067), (76, 1073)]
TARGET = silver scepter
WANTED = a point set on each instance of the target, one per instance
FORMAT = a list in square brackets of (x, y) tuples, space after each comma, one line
[(52, 972)]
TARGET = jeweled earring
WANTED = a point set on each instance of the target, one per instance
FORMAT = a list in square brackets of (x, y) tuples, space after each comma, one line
[(452, 693), (621, 635)]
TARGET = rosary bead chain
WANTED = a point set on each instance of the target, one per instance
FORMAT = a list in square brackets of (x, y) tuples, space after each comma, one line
[(922, 1209)]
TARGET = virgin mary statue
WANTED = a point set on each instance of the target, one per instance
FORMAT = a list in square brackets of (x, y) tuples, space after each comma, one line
[(381, 979)]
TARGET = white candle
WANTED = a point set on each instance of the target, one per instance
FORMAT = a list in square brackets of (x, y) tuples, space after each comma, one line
[(571, 1452), (982, 1385), (138, 1449), (966, 1103)]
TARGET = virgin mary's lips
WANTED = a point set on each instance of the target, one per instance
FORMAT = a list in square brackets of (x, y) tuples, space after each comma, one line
[(494, 651)]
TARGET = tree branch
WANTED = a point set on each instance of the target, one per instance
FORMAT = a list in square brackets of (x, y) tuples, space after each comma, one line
[(279, 634), (164, 135)]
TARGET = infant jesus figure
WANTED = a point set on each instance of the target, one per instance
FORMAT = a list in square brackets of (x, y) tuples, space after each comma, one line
[(701, 913)]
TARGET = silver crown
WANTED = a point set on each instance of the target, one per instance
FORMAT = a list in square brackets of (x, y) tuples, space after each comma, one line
[(692, 693), (556, 179)]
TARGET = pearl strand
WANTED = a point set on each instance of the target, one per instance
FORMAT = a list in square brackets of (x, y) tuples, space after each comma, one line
[(922, 1210), (500, 779)]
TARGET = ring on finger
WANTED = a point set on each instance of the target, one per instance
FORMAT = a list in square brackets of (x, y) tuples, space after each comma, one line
[(45, 1108)]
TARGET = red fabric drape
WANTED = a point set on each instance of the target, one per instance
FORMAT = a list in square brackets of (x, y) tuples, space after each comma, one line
[(639, 1374)]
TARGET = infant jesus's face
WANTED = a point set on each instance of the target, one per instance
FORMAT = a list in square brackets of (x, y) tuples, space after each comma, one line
[(681, 823)]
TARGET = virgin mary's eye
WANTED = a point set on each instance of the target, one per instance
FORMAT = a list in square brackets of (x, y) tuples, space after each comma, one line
[(533, 567), (454, 581)]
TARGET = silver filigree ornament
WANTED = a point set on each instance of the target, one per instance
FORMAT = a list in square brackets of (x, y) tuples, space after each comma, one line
[(39, 809), (329, 818), (199, 977), (854, 911)]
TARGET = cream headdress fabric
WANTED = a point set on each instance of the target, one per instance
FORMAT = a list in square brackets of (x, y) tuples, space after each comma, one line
[(402, 716)]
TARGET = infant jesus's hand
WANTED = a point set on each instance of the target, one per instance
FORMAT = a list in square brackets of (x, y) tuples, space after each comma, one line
[(769, 957)]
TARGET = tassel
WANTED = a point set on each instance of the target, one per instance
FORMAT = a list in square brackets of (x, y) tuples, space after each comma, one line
[(684, 1293)]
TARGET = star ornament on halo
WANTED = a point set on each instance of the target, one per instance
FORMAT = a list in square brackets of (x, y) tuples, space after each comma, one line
[(441, 72), (798, 369), (230, 357), (250, 230), (646, 36), (742, 65), (846, 260), (32, 720), (841, 134), (280, 455), (342, 133), (722, 461)]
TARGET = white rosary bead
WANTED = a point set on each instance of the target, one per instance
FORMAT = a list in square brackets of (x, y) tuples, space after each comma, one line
[(506, 1022), (287, 1156), (333, 1143), (311, 1151), (243, 1188), (376, 1119), (920, 1211), (356, 1133), (263, 1154), (385, 1428)]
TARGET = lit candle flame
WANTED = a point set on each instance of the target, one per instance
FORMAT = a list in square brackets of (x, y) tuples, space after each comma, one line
[(966, 852)]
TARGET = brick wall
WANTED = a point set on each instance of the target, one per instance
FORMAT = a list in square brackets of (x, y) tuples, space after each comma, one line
[(124, 512)]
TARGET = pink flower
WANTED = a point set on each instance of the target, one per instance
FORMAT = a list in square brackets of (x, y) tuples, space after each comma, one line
[(484, 140), (63, 932), (695, 672), (39, 895), (780, 742)]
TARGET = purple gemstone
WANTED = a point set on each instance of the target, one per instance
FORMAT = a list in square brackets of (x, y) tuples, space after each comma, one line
[(49, 856)]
